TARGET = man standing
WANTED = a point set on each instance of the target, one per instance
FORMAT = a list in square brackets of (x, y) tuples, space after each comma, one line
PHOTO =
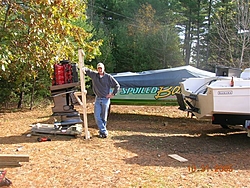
[(102, 84)]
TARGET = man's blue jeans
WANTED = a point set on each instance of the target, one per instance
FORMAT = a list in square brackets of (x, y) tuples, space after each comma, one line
[(101, 111)]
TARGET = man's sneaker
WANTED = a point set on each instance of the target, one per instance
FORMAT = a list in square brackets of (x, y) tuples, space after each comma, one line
[(101, 135)]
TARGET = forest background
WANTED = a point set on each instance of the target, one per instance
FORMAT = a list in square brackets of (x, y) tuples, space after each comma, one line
[(126, 35)]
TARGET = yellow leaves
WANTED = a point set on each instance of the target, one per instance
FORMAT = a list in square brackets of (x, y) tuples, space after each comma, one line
[(147, 11), (145, 20), (92, 49)]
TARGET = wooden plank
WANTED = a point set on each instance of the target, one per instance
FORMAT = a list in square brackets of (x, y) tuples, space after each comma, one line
[(84, 92), (13, 158), (77, 94), (177, 157), (9, 164)]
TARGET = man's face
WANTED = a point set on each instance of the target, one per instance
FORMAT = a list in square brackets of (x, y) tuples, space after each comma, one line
[(100, 70)]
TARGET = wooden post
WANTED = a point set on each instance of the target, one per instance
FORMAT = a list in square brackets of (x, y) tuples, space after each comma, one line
[(81, 55)]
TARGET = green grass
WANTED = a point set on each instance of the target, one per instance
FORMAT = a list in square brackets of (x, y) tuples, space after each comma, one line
[(144, 102)]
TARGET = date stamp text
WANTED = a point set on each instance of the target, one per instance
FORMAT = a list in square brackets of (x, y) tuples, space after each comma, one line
[(208, 168)]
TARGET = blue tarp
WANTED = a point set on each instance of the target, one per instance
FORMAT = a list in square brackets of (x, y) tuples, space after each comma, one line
[(162, 77)]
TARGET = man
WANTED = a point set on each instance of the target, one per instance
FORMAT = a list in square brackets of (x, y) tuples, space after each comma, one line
[(102, 85)]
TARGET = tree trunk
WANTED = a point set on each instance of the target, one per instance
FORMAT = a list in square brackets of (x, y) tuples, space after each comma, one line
[(32, 95), (187, 41), (208, 29), (20, 102), (198, 37)]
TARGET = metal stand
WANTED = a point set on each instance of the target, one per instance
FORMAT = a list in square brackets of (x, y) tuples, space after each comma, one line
[(67, 119)]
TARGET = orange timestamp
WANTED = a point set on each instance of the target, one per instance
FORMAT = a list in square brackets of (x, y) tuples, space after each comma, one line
[(207, 168)]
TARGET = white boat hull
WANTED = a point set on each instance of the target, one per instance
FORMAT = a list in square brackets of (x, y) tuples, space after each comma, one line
[(209, 96)]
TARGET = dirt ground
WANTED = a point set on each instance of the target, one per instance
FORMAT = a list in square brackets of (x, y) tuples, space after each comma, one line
[(136, 153)]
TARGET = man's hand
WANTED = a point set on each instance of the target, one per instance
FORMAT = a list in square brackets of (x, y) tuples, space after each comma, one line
[(110, 95), (83, 70)]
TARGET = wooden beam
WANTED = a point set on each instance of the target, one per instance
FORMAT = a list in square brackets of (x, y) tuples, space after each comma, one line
[(77, 94), (10, 164), (81, 55), (13, 158), (10, 160)]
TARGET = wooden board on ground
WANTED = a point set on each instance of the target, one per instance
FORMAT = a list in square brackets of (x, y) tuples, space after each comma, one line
[(9, 164), (9, 160), (50, 129), (177, 157)]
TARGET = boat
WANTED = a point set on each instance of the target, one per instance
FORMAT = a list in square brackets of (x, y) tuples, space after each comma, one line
[(223, 99), (154, 87)]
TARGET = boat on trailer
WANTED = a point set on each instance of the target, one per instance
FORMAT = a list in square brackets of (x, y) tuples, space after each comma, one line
[(224, 99)]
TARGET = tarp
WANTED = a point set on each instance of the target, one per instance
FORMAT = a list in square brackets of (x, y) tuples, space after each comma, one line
[(162, 77)]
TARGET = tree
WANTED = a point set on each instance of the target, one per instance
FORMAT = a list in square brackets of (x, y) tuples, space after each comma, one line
[(34, 35), (242, 24), (141, 37), (230, 34), (146, 34)]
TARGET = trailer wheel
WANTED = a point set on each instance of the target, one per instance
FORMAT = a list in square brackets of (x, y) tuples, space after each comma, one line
[(224, 126)]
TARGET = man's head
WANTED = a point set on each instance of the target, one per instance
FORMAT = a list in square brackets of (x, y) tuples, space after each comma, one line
[(100, 68)]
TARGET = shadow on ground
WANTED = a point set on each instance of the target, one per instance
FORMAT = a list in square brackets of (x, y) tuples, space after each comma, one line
[(198, 141)]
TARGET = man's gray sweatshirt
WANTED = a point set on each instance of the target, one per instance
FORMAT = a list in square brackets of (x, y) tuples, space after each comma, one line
[(102, 85)]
